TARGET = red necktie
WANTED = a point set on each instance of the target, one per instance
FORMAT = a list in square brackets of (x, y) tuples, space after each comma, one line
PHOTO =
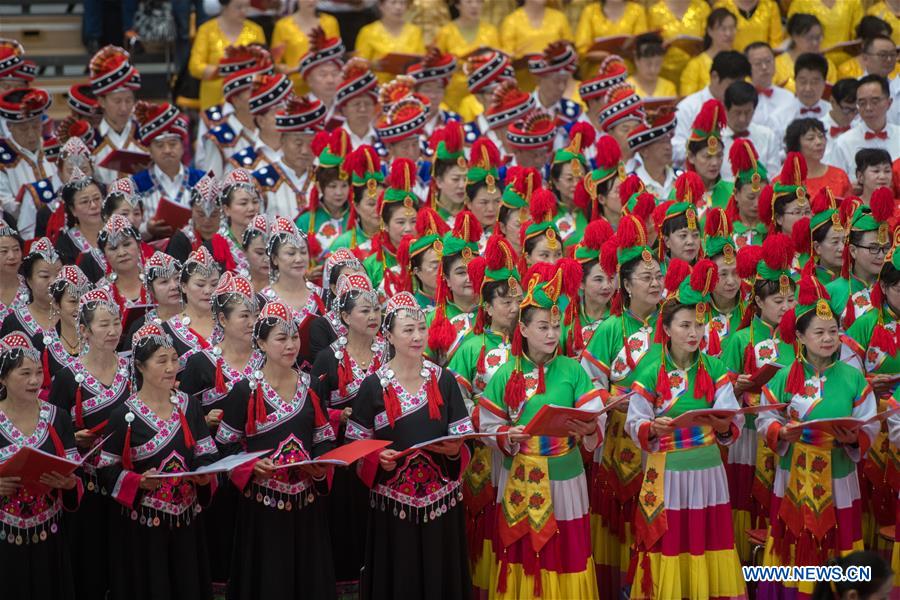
[(742, 134), (767, 92), (814, 109), (881, 135), (836, 131)]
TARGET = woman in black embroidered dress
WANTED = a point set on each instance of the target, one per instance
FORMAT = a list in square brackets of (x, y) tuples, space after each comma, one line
[(420, 550), (88, 389), (281, 546), (336, 375), (157, 545), (193, 329), (208, 377), (327, 328), (34, 558)]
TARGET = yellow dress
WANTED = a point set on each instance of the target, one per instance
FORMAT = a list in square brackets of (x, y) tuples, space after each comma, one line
[(883, 12), (695, 76), (659, 17), (470, 108), (594, 24), (784, 71), (763, 26), (838, 23), (375, 42), (450, 39), (664, 89), (518, 38), (288, 34), (209, 48)]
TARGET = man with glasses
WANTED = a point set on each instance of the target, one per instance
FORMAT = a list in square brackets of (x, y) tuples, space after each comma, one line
[(873, 98), (843, 108), (776, 104)]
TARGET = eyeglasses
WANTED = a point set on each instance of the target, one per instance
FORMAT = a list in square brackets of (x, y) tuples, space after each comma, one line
[(886, 55), (875, 250), (648, 279), (873, 102)]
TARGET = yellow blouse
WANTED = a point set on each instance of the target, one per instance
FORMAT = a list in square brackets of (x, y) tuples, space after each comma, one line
[(593, 24), (374, 41), (659, 17), (518, 37), (784, 71), (664, 89), (470, 108), (763, 26), (450, 39), (209, 48), (838, 23), (296, 43), (695, 76), (883, 12)]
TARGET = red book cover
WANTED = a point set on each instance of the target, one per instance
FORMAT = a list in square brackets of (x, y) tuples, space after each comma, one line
[(124, 161), (174, 215), (551, 420), (30, 463), (762, 377)]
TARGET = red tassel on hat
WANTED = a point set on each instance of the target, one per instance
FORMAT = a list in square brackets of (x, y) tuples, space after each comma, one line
[(435, 400), (441, 334), (515, 390), (796, 379), (320, 419), (882, 338), (188, 436), (79, 408), (220, 376), (615, 304), (479, 320)]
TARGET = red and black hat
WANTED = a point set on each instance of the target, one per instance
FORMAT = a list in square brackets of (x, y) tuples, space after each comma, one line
[(487, 68), (435, 66), (111, 70), (301, 114), (157, 120), (612, 71), (12, 57), (268, 91), (240, 58), (357, 79), (82, 101), (558, 56), (535, 130), (508, 103), (322, 49), (73, 127), (622, 103), (403, 112), (23, 104), (651, 130)]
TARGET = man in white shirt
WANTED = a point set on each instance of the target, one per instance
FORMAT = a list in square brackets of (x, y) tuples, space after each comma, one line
[(740, 104), (114, 82), (810, 71), (776, 105), (873, 130), (355, 100), (162, 129), (727, 67), (651, 143), (843, 109), (22, 159), (287, 182)]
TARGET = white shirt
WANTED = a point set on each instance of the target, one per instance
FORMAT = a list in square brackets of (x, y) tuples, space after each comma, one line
[(686, 112), (775, 111), (288, 194), (823, 106), (842, 152), (212, 155), (356, 141), (660, 190), (111, 140), (173, 189), (21, 167), (770, 152)]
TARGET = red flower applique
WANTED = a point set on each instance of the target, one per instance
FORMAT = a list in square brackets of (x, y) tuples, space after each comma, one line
[(535, 475), (536, 501)]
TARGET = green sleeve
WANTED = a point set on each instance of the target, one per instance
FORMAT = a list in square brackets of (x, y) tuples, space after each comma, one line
[(861, 329), (733, 353), (496, 386), (581, 381)]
